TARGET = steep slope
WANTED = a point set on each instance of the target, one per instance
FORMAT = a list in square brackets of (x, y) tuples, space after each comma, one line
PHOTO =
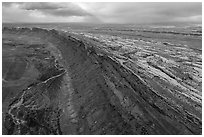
[(86, 90)]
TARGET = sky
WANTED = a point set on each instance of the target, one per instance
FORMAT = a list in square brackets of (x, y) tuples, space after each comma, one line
[(102, 12)]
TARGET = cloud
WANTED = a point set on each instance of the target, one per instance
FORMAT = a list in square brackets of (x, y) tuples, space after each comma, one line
[(109, 12), (6, 4), (65, 12), (148, 12), (45, 12), (178, 9), (51, 8), (41, 6)]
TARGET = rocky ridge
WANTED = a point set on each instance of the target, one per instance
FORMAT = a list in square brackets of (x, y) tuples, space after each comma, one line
[(96, 92)]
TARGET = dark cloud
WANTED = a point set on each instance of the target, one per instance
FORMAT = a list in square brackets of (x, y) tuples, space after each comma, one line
[(51, 8), (56, 9), (41, 6)]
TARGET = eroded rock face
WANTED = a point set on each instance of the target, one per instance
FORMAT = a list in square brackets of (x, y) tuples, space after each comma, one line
[(35, 110), (84, 89)]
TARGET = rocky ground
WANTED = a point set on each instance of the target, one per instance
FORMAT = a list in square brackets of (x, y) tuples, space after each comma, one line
[(58, 82)]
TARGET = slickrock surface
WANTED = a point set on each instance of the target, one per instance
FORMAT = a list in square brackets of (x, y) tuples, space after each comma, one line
[(58, 82)]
